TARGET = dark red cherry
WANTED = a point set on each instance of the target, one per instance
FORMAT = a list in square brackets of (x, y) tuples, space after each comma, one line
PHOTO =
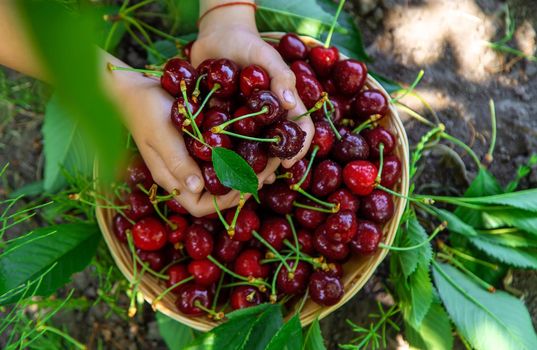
[(279, 198), (329, 86), (225, 105), (248, 264), (327, 247), (214, 117), (212, 183), (155, 259), (341, 226), (208, 222), (205, 152), (225, 73), (267, 99), (346, 106), (391, 171), (176, 70), (335, 111), (173, 254), (198, 242), (245, 296), (346, 200), (377, 207), (138, 173), (305, 240), (297, 281), (190, 295), (179, 113), (292, 48), (375, 137), (326, 178), (205, 272), (309, 218), (178, 234), (323, 59), (301, 67), (367, 238), (350, 147), (297, 172), (350, 76), (290, 139), (248, 126), (324, 138), (359, 177), (254, 153), (246, 223), (335, 269), (227, 249), (275, 230), (187, 49), (325, 289), (309, 89), (139, 205), (203, 69), (176, 207), (120, 225), (252, 78), (149, 234), (176, 274), (370, 102)]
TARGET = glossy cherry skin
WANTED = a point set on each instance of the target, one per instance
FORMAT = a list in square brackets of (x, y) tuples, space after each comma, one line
[(155, 259), (309, 89), (377, 207), (139, 205), (350, 147), (214, 117), (301, 67), (248, 126), (359, 177), (205, 272), (391, 171), (245, 296), (290, 139), (149, 234), (335, 111), (176, 207), (138, 173), (349, 76), (174, 71), (335, 269), (225, 73), (297, 172), (328, 248), (323, 59), (341, 226), (178, 234), (205, 152), (252, 78), (265, 98), (226, 248), (329, 86), (292, 48), (190, 294), (326, 178), (209, 222), (198, 242), (248, 264), (309, 218), (325, 289), (279, 198), (220, 103), (305, 240), (345, 199), (173, 254), (120, 225), (176, 274), (370, 102), (375, 137), (299, 281), (275, 230), (254, 153), (246, 223), (212, 183), (179, 114), (367, 238), (324, 138)]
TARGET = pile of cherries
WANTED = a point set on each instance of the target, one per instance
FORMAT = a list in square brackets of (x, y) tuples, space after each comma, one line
[(321, 211)]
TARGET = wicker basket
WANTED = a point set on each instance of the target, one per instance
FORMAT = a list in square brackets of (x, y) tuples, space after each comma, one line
[(356, 271)]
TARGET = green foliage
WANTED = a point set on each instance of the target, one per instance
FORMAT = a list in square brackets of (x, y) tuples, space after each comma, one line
[(517, 257), (414, 234), (166, 48), (313, 340), (487, 320), (416, 295), (288, 337), (175, 334), (233, 171), (434, 333)]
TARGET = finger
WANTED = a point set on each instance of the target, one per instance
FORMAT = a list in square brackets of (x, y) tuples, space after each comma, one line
[(158, 169), (270, 179), (204, 204), (270, 168)]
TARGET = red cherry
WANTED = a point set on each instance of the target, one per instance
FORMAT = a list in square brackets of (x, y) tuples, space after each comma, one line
[(290, 139), (350, 147), (265, 98), (204, 151), (176, 70), (214, 117), (248, 126), (370, 102), (247, 221), (198, 242), (305, 239), (346, 200), (275, 231), (227, 249), (173, 254), (335, 269), (156, 259), (205, 272), (359, 176), (212, 183), (324, 138), (225, 105), (297, 171), (190, 295), (138, 173), (335, 112), (292, 48), (367, 238), (323, 59), (326, 178), (375, 137), (391, 171), (377, 206), (278, 197), (330, 249), (253, 77), (295, 283), (149, 234), (120, 225), (209, 222), (309, 89), (302, 67), (254, 153), (325, 289), (248, 264), (309, 218), (349, 76), (225, 73), (245, 296), (176, 274), (179, 113), (341, 226), (139, 205), (176, 207), (178, 234), (329, 86)]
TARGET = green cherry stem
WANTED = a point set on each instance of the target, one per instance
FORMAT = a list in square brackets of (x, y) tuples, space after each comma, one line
[(334, 22), (436, 231), (452, 251), (137, 259), (313, 198), (254, 281), (274, 139), (221, 127), (113, 67), (216, 315), (272, 249), (136, 6), (308, 169), (316, 262), (163, 217), (196, 91), (464, 146), (381, 164), (274, 294), (490, 288), (231, 228), (196, 138), (318, 105), (310, 207), (367, 124), (421, 200), (219, 213), (213, 90), (217, 293), (328, 116), (295, 238), (489, 156), (189, 112), (169, 289), (409, 89)]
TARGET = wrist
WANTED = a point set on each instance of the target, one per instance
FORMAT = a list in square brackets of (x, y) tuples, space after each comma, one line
[(216, 16)]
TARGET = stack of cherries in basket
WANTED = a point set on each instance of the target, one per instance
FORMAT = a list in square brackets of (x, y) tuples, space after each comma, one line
[(321, 211)]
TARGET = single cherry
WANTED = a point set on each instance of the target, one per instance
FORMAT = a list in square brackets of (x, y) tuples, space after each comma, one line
[(292, 48), (252, 78), (325, 289), (327, 247), (326, 178), (279, 197), (248, 264), (120, 225), (226, 248), (335, 269), (149, 234), (179, 114), (247, 222), (205, 272), (212, 183), (139, 205), (205, 151), (309, 218), (225, 73), (290, 139), (375, 137), (305, 239), (245, 296), (138, 173), (324, 138), (156, 259), (178, 234), (254, 153), (198, 242), (297, 281), (309, 89), (265, 99), (367, 238), (301, 67), (248, 126), (275, 230), (214, 117), (297, 171), (225, 105), (323, 59), (190, 295), (176, 70), (370, 102), (391, 171), (377, 206), (359, 176), (209, 222), (349, 76), (176, 207), (341, 226), (335, 111), (350, 147), (345, 199), (329, 86), (176, 274)]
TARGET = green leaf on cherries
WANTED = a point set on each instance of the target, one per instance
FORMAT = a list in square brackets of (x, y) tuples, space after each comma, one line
[(233, 171), (435, 331), (288, 337), (409, 259), (313, 339)]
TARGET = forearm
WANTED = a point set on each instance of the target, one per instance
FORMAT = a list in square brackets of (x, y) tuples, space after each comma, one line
[(236, 15)]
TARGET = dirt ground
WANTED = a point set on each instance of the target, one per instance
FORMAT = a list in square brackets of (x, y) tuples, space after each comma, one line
[(446, 40)]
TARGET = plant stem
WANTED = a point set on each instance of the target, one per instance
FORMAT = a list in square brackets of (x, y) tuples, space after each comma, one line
[(158, 32), (295, 237), (410, 88), (452, 251), (310, 207), (254, 282), (381, 164), (461, 144), (219, 128), (272, 249), (62, 334), (169, 289), (213, 90), (415, 114), (196, 91), (318, 105), (137, 6), (155, 73), (274, 139), (489, 156), (334, 22), (490, 288), (436, 231), (189, 112), (231, 228), (329, 119), (219, 213), (308, 169), (366, 124), (315, 199)]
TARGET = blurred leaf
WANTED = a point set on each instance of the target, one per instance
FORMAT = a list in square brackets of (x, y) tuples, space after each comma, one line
[(526, 200), (265, 326), (107, 29), (388, 84), (522, 172), (175, 334), (64, 147), (454, 223), (434, 332), (313, 339), (518, 257), (31, 189), (233, 171), (166, 48), (66, 45), (416, 295), (487, 320), (64, 249), (409, 259), (521, 219), (183, 14), (514, 240), (288, 337)]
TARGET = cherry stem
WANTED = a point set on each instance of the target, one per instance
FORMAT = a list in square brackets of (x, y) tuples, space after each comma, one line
[(196, 91), (381, 164), (213, 90), (286, 175), (189, 112), (489, 156), (464, 146), (367, 124), (334, 22), (318, 105), (409, 89), (216, 315), (196, 138), (313, 198), (251, 281), (219, 213), (169, 289), (302, 302), (274, 294), (308, 169), (310, 207), (423, 200), (295, 237), (328, 117), (219, 128), (113, 67), (231, 228), (158, 198), (217, 293), (172, 225), (145, 265), (165, 268), (136, 6), (450, 259), (452, 251), (274, 139), (436, 231), (316, 262), (271, 248)]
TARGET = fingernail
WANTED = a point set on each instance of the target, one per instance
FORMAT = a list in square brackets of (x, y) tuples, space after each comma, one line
[(193, 182), (289, 97)]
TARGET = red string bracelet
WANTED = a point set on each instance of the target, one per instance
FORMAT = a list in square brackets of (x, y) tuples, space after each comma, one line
[(233, 3)]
